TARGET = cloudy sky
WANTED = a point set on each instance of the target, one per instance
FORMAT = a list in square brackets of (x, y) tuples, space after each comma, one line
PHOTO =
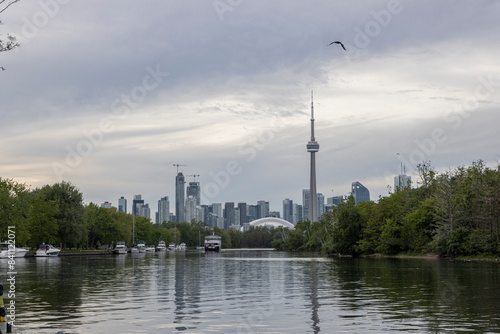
[(109, 95)]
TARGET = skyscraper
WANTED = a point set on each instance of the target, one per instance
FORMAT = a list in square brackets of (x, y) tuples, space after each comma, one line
[(288, 210), (321, 204), (137, 203), (179, 197), (145, 211), (243, 212), (122, 204), (263, 209), (360, 193), (228, 214), (217, 209), (334, 201), (253, 212), (163, 210), (190, 209), (305, 204), (297, 213), (194, 190), (401, 182), (313, 147)]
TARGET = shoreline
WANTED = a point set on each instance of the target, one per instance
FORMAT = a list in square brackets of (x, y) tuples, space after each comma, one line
[(432, 256)]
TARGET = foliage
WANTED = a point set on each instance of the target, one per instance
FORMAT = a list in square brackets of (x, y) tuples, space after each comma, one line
[(347, 226), (42, 220), (14, 206), (102, 229), (452, 213), (70, 218)]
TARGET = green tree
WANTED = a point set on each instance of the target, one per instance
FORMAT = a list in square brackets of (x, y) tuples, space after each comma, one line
[(417, 229), (160, 232), (143, 230), (42, 220), (124, 221), (347, 228), (102, 229), (71, 226), (225, 237), (14, 206), (236, 237)]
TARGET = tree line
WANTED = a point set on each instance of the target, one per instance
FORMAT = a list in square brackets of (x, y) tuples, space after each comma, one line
[(452, 213), (56, 214)]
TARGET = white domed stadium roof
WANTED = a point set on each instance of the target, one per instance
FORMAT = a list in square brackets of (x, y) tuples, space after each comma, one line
[(271, 222)]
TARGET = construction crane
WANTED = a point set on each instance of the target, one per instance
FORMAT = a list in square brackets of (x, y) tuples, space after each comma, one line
[(194, 177), (177, 165)]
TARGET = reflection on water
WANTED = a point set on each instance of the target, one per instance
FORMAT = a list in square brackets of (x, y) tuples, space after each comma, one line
[(253, 291)]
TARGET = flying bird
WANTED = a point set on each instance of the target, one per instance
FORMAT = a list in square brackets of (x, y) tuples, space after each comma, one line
[(337, 42), (3, 68)]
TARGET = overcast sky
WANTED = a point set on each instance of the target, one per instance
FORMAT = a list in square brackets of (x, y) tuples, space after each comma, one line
[(108, 95)]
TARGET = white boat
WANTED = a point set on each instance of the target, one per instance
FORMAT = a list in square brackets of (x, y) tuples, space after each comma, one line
[(171, 246), (162, 247), (149, 249), (18, 251), (141, 245), (134, 249), (181, 247), (200, 248), (47, 250), (213, 243), (120, 248)]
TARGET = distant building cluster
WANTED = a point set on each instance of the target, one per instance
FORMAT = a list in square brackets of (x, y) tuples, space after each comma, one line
[(188, 207), (227, 215)]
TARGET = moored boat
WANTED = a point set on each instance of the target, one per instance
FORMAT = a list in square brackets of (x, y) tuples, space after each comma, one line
[(171, 246), (46, 250), (120, 248), (181, 247), (141, 245), (162, 247), (16, 251), (149, 249), (213, 243)]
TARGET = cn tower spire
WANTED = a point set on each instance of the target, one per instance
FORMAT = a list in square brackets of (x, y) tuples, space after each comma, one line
[(313, 147), (312, 117)]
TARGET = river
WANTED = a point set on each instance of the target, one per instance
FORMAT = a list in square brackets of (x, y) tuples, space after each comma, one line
[(253, 291)]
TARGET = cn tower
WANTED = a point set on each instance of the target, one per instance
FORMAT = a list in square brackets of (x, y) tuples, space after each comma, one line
[(313, 147)]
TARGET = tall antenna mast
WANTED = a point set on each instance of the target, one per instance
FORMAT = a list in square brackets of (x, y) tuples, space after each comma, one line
[(312, 117), (312, 147)]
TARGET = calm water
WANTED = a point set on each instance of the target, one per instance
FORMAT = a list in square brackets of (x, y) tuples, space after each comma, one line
[(253, 291)]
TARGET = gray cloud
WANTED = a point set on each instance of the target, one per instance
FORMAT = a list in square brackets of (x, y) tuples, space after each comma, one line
[(238, 89)]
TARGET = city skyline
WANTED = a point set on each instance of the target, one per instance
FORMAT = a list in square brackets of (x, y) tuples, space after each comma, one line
[(163, 205), (227, 94)]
